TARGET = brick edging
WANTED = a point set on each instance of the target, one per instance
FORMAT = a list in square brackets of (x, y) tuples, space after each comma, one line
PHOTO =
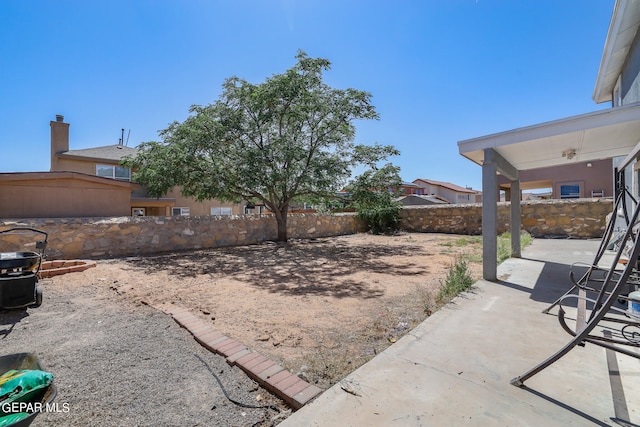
[(289, 387), (56, 268)]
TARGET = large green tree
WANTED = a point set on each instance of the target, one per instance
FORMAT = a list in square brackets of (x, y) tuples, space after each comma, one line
[(290, 137)]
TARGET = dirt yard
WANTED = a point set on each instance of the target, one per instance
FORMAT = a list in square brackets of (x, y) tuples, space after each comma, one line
[(321, 307)]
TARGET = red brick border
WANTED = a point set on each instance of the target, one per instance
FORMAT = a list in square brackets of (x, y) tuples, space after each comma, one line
[(289, 387), (56, 268)]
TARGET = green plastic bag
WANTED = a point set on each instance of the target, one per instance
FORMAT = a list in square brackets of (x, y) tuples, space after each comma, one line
[(21, 386), (7, 420)]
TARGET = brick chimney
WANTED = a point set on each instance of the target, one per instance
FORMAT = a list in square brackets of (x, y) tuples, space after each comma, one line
[(59, 140)]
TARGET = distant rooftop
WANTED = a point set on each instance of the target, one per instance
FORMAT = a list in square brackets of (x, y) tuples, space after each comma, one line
[(430, 198), (448, 185), (110, 152)]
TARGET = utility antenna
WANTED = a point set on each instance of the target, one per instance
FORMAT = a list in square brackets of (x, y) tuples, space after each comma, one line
[(121, 141), (128, 135)]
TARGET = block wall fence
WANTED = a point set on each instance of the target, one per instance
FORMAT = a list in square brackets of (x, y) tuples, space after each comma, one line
[(95, 238)]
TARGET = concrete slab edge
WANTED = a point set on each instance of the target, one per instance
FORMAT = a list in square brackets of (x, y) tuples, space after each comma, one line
[(289, 387)]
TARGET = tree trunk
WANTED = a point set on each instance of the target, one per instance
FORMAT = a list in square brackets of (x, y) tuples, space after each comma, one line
[(281, 219)]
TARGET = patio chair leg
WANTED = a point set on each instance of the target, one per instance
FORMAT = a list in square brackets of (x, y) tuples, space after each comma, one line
[(577, 340), (519, 380), (620, 202), (600, 310)]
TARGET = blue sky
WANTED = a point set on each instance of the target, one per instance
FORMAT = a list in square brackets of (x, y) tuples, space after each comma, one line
[(439, 71)]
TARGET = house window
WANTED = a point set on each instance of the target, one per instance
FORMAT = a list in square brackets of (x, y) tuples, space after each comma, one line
[(419, 191), (249, 209), (220, 211), (180, 211), (616, 100), (570, 191), (114, 172)]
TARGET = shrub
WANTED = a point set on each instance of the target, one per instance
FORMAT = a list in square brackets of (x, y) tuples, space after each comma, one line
[(373, 197), (504, 244), (458, 279), (381, 219)]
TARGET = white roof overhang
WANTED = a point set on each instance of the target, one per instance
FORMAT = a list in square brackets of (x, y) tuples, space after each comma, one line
[(622, 31), (598, 135)]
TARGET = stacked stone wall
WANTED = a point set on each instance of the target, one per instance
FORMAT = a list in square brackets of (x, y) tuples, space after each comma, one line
[(579, 218), (71, 238), (85, 238)]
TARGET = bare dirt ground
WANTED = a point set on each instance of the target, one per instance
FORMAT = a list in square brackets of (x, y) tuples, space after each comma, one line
[(320, 307)]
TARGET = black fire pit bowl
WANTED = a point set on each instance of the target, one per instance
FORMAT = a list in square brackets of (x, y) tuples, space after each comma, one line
[(19, 261)]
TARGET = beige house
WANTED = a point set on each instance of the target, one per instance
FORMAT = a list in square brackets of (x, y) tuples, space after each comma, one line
[(105, 162), (91, 182), (447, 191)]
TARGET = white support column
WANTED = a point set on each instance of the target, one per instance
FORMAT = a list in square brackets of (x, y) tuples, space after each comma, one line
[(494, 163), (489, 216), (516, 199)]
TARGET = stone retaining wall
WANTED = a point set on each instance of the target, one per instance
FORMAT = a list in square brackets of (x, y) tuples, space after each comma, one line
[(581, 218), (85, 238), (71, 238)]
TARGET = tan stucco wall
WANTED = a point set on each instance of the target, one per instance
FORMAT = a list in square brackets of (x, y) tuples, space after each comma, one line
[(599, 176), (89, 168), (201, 208), (46, 198)]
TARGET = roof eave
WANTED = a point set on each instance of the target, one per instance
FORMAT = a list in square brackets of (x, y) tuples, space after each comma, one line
[(66, 155), (616, 48), (21, 176)]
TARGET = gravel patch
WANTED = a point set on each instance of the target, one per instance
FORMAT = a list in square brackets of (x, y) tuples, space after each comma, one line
[(119, 363)]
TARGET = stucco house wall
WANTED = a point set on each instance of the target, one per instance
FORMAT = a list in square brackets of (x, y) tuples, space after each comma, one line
[(202, 208), (595, 178), (76, 166), (630, 75), (61, 194), (446, 193)]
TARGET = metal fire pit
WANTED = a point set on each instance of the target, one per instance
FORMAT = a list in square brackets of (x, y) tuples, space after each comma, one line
[(19, 273)]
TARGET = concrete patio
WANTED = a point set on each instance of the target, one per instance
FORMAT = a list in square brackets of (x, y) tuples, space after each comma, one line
[(454, 369)]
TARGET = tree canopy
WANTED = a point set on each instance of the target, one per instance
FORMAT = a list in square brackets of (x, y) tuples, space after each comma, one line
[(288, 138)]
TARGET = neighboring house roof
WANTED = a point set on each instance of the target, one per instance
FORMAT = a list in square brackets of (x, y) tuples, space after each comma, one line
[(622, 31), (114, 153), (448, 185), (35, 176), (415, 199)]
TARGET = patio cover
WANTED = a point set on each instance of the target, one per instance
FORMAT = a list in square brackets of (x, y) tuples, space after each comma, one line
[(602, 134)]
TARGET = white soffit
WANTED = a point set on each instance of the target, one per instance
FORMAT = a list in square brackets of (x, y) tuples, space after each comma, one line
[(598, 135), (622, 30)]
